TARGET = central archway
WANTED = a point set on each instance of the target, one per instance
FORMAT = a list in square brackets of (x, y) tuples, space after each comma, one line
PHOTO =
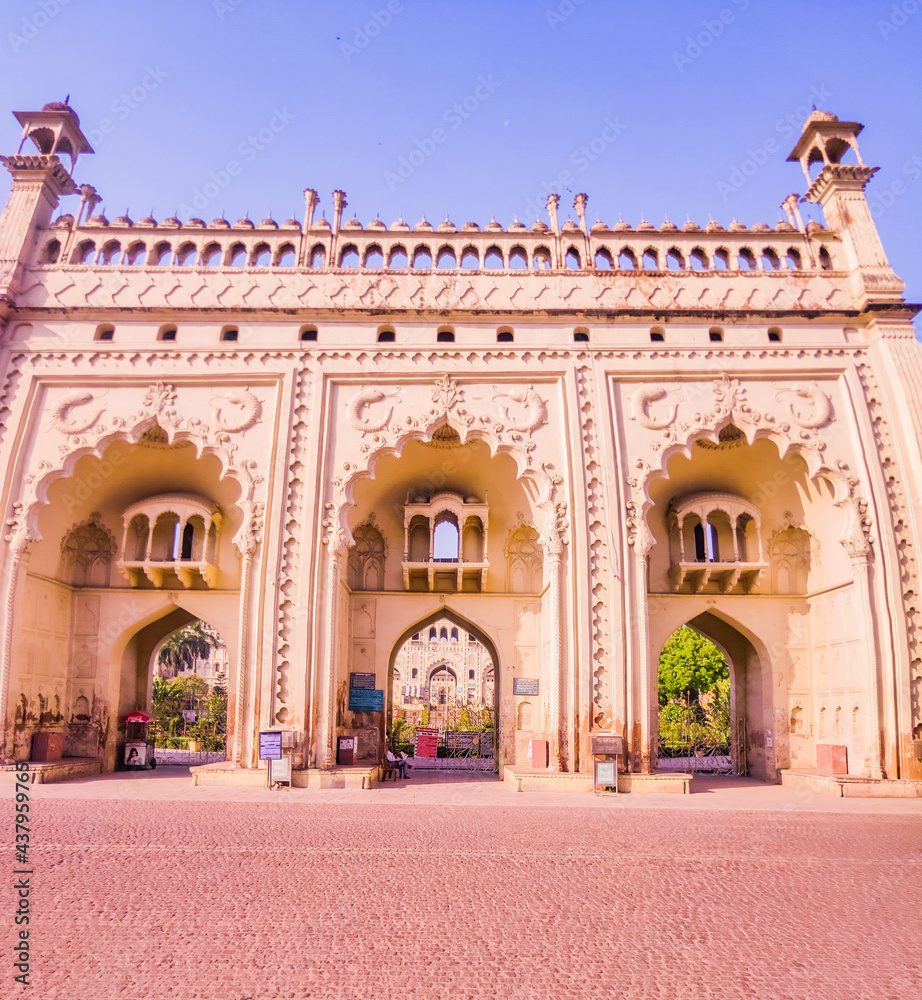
[(463, 633)]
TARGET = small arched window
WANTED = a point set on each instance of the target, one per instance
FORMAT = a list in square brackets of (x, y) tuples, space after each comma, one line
[(626, 260), (770, 260), (541, 259), (446, 260), (105, 332), (386, 337), (308, 333), (657, 334), (603, 260), (774, 335), (650, 260), (715, 334), (230, 333), (236, 255), (446, 542), (572, 261), (580, 336), (51, 252), (349, 257), (698, 260), (285, 255), (746, 260), (374, 258), (83, 252), (825, 260), (422, 259), (167, 332), (469, 259), (443, 634), (397, 259), (318, 256), (211, 255), (433, 635), (792, 260), (518, 259), (261, 255), (188, 536), (135, 255), (505, 336), (674, 260), (454, 635), (493, 259), (721, 260), (445, 336)]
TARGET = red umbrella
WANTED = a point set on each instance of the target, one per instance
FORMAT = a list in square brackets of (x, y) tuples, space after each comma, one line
[(138, 717)]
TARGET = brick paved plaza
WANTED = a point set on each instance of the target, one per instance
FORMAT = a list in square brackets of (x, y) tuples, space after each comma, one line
[(148, 888)]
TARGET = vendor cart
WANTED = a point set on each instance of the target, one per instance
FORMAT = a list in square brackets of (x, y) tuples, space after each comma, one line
[(139, 744)]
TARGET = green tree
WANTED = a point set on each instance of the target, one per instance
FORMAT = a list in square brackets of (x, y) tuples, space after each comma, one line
[(185, 646), (689, 666)]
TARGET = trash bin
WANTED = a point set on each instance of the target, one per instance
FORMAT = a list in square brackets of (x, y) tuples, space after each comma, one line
[(345, 750), (47, 747)]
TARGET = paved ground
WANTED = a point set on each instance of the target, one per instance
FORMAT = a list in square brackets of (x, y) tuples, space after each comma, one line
[(147, 888)]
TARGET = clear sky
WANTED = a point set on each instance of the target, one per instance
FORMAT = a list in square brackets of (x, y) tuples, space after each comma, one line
[(435, 108)]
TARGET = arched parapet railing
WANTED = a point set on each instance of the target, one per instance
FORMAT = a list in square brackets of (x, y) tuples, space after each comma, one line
[(178, 533), (715, 538)]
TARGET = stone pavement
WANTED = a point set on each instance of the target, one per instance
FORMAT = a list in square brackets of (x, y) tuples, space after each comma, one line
[(457, 888)]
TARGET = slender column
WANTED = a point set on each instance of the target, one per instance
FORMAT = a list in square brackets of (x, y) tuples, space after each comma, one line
[(873, 764), (553, 200), (310, 204), (335, 548), (554, 541), (339, 203), (242, 655), (642, 661), (19, 539)]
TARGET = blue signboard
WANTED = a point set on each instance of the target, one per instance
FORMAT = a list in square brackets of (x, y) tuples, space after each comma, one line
[(362, 700), (270, 746)]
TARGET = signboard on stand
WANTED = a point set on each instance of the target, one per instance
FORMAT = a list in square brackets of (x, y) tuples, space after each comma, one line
[(270, 746), (364, 681), (427, 742)]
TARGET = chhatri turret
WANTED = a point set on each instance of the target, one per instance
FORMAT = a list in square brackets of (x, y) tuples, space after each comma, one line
[(39, 181), (840, 189)]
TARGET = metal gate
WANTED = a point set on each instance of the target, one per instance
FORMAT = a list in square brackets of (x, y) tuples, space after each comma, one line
[(691, 751)]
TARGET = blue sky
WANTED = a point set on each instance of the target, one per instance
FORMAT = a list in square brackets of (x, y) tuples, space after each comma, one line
[(474, 109)]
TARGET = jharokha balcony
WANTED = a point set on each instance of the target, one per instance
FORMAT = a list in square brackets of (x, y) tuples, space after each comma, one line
[(445, 544), (169, 538), (715, 538)]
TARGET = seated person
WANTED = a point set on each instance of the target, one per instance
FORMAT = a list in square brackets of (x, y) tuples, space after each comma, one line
[(397, 762)]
